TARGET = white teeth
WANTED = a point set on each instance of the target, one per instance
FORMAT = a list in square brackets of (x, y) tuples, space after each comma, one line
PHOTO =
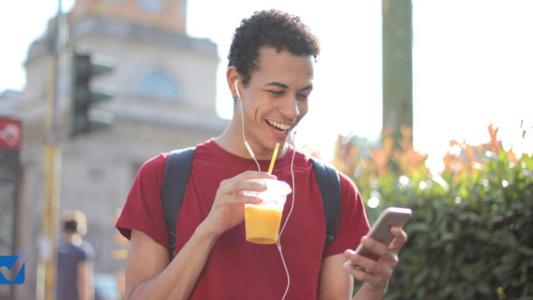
[(278, 125)]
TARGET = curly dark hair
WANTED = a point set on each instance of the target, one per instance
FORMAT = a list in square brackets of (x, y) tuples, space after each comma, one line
[(272, 28)]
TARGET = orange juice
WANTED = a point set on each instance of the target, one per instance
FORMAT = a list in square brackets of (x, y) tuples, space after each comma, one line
[(262, 223)]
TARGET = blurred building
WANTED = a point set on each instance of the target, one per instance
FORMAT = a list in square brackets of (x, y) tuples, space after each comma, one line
[(9, 102), (164, 87)]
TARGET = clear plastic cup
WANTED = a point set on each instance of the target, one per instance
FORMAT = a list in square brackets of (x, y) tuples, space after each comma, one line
[(262, 221)]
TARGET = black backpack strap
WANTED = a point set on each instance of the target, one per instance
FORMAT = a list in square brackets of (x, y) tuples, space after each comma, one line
[(329, 184), (174, 182)]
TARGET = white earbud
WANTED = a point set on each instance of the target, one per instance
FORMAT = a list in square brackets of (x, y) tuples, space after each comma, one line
[(236, 86)]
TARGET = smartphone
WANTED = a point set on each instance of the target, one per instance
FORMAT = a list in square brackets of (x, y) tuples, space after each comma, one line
[(380, 231)]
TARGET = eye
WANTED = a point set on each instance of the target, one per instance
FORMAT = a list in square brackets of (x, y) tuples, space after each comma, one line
[(302, 97), (276, 93)]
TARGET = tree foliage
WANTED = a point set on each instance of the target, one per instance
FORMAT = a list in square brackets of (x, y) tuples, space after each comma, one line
[(471, 236)]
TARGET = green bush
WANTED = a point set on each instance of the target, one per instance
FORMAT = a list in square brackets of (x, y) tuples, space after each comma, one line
[(471, 236)]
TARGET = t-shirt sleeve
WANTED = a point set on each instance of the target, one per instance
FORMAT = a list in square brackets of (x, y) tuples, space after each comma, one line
[(353, 223), (143, 209)]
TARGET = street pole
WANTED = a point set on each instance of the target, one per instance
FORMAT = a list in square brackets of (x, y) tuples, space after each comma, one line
[(52, 165), (397, 67), (52, 158)]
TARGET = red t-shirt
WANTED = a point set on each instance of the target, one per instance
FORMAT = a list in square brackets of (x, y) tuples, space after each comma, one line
[(235, 268)]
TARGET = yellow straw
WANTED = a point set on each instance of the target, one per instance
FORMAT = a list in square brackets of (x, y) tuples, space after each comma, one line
[(271, 167)]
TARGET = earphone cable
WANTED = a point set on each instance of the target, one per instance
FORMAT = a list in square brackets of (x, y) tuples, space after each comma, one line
[(287, 220), (251, 152), (248, 148)]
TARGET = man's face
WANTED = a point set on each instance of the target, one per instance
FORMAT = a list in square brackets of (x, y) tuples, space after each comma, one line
[(275, 99)]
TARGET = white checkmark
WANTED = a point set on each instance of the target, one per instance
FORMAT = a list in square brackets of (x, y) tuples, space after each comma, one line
[(6, 273)]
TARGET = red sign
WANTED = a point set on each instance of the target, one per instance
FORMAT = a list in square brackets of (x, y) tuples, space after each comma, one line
[(10, 133)]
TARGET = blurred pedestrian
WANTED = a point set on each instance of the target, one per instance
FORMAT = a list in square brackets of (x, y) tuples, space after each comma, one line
[(74, 259)]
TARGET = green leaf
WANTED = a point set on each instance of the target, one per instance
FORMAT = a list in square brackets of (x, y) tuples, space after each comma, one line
[(525, 250)]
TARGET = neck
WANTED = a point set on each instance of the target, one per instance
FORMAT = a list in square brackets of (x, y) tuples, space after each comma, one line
[(73, 238)]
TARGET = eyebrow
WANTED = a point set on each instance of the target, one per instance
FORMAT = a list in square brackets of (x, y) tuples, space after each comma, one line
[(282, 85), (278, 84)]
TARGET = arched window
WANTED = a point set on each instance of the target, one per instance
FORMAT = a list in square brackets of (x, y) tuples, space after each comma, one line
[(159, 85)]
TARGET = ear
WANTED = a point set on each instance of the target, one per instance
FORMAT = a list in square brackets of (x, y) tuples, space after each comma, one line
[(231, 76)]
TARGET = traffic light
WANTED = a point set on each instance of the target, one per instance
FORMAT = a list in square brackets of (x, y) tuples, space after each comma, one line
[(85, 67)]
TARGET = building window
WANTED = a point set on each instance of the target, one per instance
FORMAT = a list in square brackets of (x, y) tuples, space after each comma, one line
[(155, 6), (159, 85)]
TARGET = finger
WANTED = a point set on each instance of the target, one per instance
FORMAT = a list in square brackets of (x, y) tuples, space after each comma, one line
[(376, 273), (237, 198), (377, 280), (400, 238), (356, 272), (228, 185), (248, 186), (374, 246), (348, 253), (383, 265), (391, 259), (360, 261), (351, 268)]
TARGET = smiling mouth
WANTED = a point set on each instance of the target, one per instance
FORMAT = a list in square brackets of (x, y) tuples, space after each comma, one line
[(278, 126)]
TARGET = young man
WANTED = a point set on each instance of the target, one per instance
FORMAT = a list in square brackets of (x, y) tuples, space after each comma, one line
[(74, 260), (270, 76)]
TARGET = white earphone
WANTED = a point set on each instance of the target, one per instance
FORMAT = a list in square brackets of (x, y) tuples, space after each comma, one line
[(251, 152)]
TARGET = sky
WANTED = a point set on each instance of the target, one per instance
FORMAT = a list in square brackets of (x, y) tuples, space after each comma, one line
[(472, 65)]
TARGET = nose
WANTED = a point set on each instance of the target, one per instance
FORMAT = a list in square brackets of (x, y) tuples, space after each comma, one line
[(290, 108)]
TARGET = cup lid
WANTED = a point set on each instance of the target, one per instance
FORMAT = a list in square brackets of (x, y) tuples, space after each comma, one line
[(274, 187)]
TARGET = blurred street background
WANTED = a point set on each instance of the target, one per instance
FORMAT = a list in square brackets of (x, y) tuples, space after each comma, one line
[(412, 99)]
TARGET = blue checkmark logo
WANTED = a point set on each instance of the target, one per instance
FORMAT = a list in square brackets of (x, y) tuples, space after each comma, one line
[(7, 269)]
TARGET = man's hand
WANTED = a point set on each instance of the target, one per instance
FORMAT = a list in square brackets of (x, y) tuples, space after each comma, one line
[(376, 273), (228, 208)]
